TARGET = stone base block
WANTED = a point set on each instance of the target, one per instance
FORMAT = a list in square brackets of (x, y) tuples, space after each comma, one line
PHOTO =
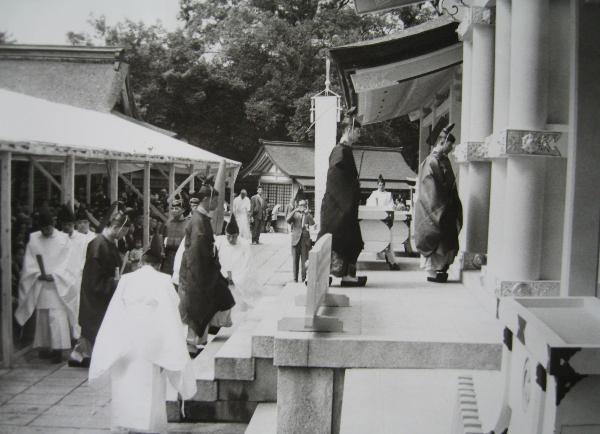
[(330, 300), (262, 389), (315, 324), (531, 288), (472, 260), (217, 411)]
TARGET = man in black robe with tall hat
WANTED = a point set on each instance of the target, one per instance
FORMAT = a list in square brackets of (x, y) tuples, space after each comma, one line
[(202, 288), (339, 209), (101, 274), (438, 210)]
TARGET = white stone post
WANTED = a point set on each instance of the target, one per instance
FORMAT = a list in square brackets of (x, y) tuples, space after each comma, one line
[(478, 83), (501, 101), (525, 175), (325, 138), (465, 115)]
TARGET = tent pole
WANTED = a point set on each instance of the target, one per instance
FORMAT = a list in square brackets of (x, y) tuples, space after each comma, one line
[(192, 180), (6, 258), (31, 187), (68, 182), (171, 179), (146, 189), (88, 184), (114, 181)]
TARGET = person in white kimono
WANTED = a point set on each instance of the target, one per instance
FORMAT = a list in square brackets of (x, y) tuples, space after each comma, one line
[(83, 224), (234, 255), (241, 210), (381, 198), (47, 286), (140, 346), (79, 243)]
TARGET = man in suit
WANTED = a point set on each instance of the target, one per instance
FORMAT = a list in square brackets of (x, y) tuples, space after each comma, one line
[(300, 219), (257, 210)]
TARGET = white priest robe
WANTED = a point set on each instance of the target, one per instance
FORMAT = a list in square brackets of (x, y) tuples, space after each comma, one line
[(236, 258), (79, 243), (140, 345), (55, 302), (241, 209), (381, 199)]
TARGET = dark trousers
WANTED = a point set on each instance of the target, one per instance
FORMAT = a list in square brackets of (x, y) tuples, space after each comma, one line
[(300, 255), (257, 226)]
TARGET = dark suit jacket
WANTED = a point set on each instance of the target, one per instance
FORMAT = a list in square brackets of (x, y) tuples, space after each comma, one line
[(295, 219), (257, 209)]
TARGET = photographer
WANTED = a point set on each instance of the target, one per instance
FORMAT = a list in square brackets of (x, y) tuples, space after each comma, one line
[(300, 219)]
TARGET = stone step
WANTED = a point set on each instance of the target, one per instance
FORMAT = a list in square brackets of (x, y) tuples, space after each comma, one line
[(264, 332), (264, 420), (262, 389), (207, 428)]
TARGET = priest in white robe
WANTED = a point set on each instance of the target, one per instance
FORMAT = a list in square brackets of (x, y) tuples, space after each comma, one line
[(140, 346), (83, 225), (235, 255), (79, 243), (240, 208), (381, 198), (47, 287)]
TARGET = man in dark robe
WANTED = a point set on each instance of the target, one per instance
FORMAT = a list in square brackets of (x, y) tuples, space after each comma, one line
[(257, 214), (202, 288), (101, 274), (339, 209), (173, 233), (438, 211)]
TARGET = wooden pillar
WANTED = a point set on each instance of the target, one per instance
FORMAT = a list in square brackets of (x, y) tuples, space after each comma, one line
[(146, 192), (88, 184), (192, 181), (171, 179), (6, 257), (68, 181), (30, 187), (113, 182)]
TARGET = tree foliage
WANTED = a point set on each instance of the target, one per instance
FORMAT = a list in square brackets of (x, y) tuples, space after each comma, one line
[(240, 70)]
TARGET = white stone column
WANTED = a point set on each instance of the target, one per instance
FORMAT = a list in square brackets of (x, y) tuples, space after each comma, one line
[(465, 114), (525, 168), (482, 83), (529, 64), (501, 102), (523, 214), (476, 193), (502, 64), (325, 138)]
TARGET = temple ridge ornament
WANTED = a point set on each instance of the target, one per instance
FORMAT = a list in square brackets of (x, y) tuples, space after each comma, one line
[(523, 142)]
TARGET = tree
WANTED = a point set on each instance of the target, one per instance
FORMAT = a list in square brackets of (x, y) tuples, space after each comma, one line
[(240, 70)]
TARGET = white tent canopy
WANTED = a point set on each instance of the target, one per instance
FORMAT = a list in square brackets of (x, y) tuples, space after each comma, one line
[(35, 126)]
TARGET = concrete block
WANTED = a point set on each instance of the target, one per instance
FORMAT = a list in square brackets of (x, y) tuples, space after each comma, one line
[(306, 400), (262, 389), (217, 411), (234, 368), (264, 419), (290, 352), (207, 390), (207, 428)]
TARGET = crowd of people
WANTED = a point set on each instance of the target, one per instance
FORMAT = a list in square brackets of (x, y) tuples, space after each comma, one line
[(77, 284)]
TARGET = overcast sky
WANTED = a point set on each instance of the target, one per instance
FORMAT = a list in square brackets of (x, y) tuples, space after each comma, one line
[(47, 21)]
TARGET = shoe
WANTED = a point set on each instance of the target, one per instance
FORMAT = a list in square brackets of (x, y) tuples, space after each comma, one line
[(194, 354), (85, 363), (44, 354), (213, 330), (393, 267), (439, 278), (361, 281)]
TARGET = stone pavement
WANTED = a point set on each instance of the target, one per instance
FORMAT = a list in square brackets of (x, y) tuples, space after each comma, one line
[(38, 397)]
